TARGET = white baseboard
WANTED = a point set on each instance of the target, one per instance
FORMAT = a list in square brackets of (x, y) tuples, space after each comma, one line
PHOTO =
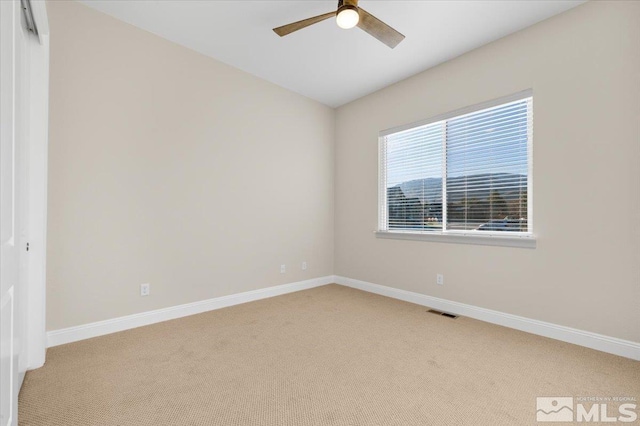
[(599, 342), (100, 328), (587, 339)]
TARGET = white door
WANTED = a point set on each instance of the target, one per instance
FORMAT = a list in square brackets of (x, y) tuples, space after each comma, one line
[(24, 72), (24, 58), (9, 232)]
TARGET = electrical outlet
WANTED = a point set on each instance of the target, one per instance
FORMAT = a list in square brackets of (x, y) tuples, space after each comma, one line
[(283, 269), (304, 266), (145, 289), (440, 279)]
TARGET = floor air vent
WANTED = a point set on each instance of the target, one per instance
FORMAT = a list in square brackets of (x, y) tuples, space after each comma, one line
[(444, 314)]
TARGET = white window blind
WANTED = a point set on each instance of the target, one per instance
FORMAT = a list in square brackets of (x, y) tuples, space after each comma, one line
[(414, 178), (468, 173)]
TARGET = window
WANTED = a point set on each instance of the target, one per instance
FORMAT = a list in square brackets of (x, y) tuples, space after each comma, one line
[(466, 173)]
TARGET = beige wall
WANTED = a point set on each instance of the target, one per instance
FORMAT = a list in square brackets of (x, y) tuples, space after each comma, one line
[(584, 69), (172, 168), (168, 167)]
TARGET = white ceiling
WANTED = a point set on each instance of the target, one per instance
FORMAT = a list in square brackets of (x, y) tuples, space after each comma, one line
[(324, 62)]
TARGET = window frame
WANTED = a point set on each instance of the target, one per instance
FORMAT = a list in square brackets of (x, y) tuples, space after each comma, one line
[(500, 238)]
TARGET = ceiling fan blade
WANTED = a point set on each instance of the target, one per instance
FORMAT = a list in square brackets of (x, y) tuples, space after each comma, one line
[(295, 26), (379, 29)]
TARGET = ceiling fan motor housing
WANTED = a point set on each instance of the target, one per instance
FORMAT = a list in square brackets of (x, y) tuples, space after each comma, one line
[(347, 4)]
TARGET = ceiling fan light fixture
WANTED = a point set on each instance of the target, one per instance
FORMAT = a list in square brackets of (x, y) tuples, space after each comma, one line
[(347, 17)]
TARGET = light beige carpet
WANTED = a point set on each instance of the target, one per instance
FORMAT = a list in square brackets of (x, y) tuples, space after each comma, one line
[(327, 356)]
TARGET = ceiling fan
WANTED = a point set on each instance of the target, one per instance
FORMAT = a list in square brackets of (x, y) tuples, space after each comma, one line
[(348, 16)]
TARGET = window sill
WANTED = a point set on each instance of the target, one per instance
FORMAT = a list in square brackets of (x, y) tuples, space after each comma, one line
[(485, 240)]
